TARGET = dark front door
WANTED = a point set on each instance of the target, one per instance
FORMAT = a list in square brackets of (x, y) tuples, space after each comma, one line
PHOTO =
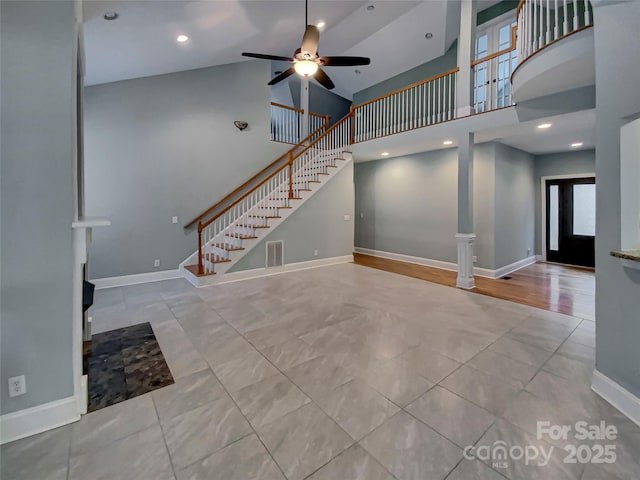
[(571, 221)]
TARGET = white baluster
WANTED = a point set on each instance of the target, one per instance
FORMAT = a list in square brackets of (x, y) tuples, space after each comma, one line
[(587, 17), (534, 31), (565, 23), (576, 22), (455, 97), (437, 102), (555, 17), (548, 38)]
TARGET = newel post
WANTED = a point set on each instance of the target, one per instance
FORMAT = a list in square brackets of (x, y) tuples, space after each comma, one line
[(290, 175), (200, 264)]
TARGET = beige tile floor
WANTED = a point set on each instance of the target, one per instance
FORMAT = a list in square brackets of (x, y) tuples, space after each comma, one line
[(335, 373)]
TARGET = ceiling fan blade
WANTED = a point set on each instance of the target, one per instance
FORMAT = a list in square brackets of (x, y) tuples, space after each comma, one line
[(267, 57), (344, 61), (323, 79), (282, 76), (310, 40)]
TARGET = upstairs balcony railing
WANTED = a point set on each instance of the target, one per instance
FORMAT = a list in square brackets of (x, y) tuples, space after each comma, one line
[(286, 123), (417, 105), (543, 22)]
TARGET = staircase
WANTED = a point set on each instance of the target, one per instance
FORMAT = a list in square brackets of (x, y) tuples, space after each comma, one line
[(231, 228)]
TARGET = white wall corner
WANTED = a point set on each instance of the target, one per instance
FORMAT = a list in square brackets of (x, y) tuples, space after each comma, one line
[(38, 419), (625, 401), (465, 260)]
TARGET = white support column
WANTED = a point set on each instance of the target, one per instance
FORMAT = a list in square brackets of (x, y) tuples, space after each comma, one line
[(465, 236), (465, 260), (304, 104), (466, 50)]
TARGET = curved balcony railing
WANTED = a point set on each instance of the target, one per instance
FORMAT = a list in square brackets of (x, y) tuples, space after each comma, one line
[(543, 22)]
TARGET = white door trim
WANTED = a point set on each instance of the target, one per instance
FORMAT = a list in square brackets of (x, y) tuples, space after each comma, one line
[(543, 204)]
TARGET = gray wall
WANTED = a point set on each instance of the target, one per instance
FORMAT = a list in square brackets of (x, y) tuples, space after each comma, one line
[(37, 148), (317, 225), (410, 204), (567, 163), (321, 100), (438, 65), (617, 288), (166, 145), (515, 205)]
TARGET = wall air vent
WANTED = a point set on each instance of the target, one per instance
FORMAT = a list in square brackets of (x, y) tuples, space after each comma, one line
[(275, 254)]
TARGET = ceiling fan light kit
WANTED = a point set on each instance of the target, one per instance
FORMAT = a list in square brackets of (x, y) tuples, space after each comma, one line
[(306, 68), (306, 61)]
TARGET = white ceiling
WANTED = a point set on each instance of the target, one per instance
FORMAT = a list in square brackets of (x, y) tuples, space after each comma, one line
[(565, 130), (141, 42), (501, 126)]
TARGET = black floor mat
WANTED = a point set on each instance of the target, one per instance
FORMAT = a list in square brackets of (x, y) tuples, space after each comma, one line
[(123, 364)]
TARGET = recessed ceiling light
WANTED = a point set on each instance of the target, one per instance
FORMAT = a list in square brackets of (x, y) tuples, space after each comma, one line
[(371, 7), (358, 72), (577, 144), (542, 126), (182, 38), (447, 142), (320, 24), (110, 15), (428, 35), (385, 154)]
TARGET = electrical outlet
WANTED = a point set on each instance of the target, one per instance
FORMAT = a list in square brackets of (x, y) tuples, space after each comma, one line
[(475, 259), (17, 386), (174, 219), (528, 251), (361, 214), (315, 253), (347, 218), (156, 263)]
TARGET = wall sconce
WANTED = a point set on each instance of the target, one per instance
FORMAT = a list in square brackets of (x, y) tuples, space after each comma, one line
[(241, 125)]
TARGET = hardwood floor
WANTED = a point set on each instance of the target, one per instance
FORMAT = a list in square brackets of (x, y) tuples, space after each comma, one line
[(558, 288)]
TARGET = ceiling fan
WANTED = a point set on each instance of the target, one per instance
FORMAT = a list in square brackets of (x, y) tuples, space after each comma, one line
[(307, 62)]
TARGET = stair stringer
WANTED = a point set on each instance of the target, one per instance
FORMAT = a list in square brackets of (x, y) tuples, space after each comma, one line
[(260, 233)]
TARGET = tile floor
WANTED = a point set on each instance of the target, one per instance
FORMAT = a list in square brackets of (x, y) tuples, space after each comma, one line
[(335, 373)]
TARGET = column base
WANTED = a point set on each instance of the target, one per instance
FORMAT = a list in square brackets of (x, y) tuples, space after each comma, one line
[(465, 261)]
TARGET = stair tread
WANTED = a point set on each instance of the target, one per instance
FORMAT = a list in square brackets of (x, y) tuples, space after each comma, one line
[(194, 269), (264, 216), (252, 226)]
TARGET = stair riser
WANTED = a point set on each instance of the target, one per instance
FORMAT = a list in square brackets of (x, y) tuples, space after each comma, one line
[(221, 252)]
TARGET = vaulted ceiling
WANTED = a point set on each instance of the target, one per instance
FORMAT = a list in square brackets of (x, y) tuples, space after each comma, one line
[(142, 41)]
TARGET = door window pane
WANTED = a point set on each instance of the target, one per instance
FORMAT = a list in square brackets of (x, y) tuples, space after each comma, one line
[(584, 210), (554, 218)]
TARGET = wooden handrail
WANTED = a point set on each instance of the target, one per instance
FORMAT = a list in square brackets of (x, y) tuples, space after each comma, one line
[(520, 5), (232, 194), (295, 109), (408, 87), (288, 164), (508, 49)]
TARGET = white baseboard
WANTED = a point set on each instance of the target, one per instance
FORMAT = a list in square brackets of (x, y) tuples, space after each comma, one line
[(27, 422), (428, 262), (110, 282), (618, 396), (525, 262), (267, 272)]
